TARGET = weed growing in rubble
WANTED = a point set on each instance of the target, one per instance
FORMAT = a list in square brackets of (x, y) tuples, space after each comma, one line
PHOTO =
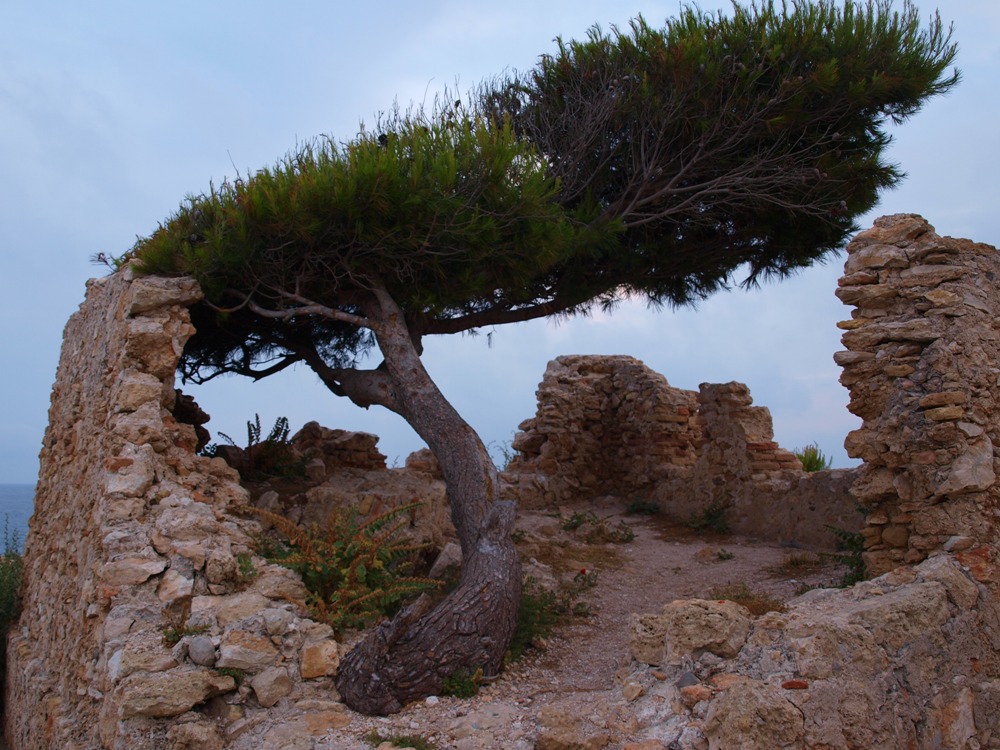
[(578, 519), (462, 684), (541, 610), (711, 518), (177, 623), (238, 675), (643, 507), (850, 546), (269, 456), (416, 742), (537, 615), (354, 569), (245, 568)]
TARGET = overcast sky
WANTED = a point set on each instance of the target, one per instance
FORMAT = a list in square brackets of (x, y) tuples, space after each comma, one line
[(111, 112)]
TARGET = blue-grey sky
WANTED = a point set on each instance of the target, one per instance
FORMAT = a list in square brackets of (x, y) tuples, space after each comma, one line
[(111, 112)]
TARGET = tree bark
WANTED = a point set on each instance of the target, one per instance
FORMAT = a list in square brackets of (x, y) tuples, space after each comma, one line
[(409, 657)]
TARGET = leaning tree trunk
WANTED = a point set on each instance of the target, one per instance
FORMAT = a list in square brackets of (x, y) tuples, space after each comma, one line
[(410, 656)]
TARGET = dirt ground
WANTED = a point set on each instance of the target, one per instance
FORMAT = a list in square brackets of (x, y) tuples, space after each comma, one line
[(580, 664)]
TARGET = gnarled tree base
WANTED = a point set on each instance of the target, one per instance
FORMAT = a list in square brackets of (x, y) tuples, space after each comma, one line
[(409, 657)]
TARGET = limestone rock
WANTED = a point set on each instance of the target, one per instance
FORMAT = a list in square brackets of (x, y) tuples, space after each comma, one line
[(195, 735), (449, 560), (232, 608), (972, 471), (488, 718), (168, 693), (132, 570), (320, 659), (694, 626), (147, 293), (271, 685), (250, 652), (563, 730), (647, 637), (201, 650), (174, 586), (751, 716)]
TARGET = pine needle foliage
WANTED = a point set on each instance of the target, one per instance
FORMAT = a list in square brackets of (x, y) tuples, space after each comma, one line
[(354, 569), (651, 162), (812, 458)]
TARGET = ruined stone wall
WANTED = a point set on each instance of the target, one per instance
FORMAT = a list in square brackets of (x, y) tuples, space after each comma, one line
[(133, 536), (759, 485), (604, 425), (923, 368), (608, 425)]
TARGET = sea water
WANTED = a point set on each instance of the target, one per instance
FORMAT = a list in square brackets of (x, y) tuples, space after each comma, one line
[(16, 506)]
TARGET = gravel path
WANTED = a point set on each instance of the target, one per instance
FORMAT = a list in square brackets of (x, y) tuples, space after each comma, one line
[(578, 668)]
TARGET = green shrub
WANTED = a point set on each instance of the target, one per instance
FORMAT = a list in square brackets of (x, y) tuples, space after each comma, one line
[(711, 518), (238, 675), (537, 615), (245, 567), (354, 569), (850, 549), (462, 684), (641, 506), (541, 609), (11, 573), (578, 519), (812, 458)]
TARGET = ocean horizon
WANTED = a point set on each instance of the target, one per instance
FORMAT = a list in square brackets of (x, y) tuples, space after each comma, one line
[(17, 503)]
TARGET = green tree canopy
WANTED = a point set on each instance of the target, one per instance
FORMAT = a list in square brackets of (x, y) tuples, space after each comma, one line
[(651, 161)]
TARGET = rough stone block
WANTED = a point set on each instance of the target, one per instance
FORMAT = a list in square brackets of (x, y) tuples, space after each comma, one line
[(170, 693), (319, 659), (240, 649), (695, 626)]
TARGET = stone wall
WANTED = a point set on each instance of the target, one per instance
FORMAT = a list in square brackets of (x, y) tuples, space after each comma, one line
[(608, 425), (922, 364), (604, 425), (133, 537)]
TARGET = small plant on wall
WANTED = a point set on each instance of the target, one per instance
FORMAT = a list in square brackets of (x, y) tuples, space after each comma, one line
[(268, 456), (812, 458)]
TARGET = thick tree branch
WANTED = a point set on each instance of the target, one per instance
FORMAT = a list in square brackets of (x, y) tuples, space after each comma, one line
[(309, 308), (496, 316)]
